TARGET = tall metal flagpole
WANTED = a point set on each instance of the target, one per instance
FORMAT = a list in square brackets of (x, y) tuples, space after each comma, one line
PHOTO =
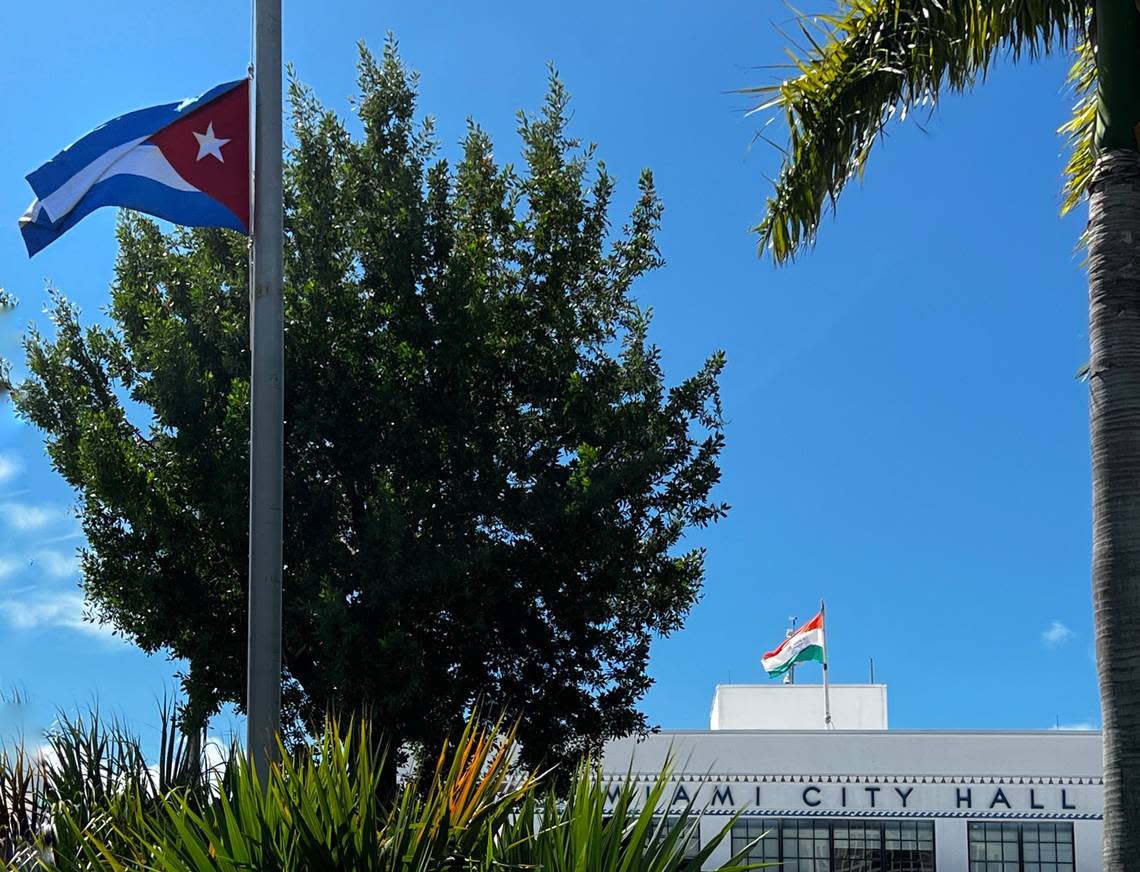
[(826, 690), (267, 399), (790, 675)]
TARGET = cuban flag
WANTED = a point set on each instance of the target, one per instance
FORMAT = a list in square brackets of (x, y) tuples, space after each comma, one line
[(185, 162)]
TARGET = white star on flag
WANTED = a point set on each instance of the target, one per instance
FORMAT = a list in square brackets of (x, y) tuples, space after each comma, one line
[(210, 144)]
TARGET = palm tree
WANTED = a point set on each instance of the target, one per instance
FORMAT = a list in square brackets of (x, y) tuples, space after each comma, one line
[(875, 60)]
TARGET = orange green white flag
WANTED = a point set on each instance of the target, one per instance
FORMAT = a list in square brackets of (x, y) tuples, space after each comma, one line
[(804, 644)]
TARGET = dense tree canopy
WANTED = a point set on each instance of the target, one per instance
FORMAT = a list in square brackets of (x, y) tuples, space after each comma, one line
[(487, 480)]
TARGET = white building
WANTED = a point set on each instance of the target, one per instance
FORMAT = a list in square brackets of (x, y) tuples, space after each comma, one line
[(862, 798)]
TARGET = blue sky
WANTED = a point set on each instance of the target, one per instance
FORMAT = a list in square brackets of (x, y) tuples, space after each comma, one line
[(906, 437)]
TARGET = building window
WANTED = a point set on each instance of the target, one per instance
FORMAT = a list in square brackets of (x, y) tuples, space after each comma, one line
[(805, 845), (820, 845), (909, 846), (857, 846), (748, 830), (692, 823), (1021, 847)]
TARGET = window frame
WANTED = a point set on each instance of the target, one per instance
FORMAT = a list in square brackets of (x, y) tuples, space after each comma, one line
[(775, 827), (1021, 859), (693, 842)]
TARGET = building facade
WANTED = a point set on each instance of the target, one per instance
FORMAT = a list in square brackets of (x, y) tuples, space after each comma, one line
[(863, 798)]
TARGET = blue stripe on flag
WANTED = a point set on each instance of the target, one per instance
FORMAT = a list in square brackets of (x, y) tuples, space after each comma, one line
[(133, 125), (192, 208)]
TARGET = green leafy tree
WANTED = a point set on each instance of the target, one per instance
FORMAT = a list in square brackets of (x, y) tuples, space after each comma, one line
[(872, 62), (487, 479)]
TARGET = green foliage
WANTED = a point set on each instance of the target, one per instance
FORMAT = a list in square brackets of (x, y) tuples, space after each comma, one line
[(875, 61), (24, 808), (327, 807), (1079, 130), (487, 479), (84, 766), (592, 829)]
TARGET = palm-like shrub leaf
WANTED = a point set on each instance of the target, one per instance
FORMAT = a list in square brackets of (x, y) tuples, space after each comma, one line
[(878, 60), (1080, 129), (24, 807), (332, 806), (630, 826)]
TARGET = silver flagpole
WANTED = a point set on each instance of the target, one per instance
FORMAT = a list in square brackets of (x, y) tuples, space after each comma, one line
[(826, 690), (790, 675), (267, 400)]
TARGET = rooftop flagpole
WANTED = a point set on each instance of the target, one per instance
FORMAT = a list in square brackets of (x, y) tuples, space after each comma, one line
[(826, 690), (267, 399), (790, 675)]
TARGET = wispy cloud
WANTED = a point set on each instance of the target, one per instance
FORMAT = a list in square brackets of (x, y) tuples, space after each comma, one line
[(1056, 634), (44, 564), (63, 609), (25, 517), (1079, 725), (10, 467), (56, 564), (65, 537)]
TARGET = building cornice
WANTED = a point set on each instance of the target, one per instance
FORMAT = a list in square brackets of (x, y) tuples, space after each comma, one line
[(738, 778)]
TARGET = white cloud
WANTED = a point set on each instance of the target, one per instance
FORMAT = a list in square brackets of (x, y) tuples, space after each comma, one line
[(1056, 634), (64, 537), (56, 564), (42, 564), (1080, 725), (215, 753), (24, 517), (46, 755), (10, 466), (63, 609)]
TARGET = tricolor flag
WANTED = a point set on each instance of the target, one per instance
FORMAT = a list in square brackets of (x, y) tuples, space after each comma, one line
[(186, 162), (806, 643)]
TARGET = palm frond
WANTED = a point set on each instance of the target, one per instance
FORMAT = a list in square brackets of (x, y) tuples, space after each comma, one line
[(1080, 130), (877, 60)]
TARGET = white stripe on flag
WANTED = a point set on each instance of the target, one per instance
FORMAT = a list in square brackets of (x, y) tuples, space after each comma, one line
[(794, 646), (138, 160), (64, 198)]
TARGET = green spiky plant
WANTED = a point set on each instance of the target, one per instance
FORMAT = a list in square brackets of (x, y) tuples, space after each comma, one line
[(591, 828), (24, 808), (328, 807), (86, 764), (873, 61)]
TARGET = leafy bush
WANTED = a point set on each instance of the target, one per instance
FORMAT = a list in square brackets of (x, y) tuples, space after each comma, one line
[(490, 480)]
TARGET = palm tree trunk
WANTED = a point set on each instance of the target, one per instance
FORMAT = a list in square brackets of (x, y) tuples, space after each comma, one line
[(1114, 413)]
